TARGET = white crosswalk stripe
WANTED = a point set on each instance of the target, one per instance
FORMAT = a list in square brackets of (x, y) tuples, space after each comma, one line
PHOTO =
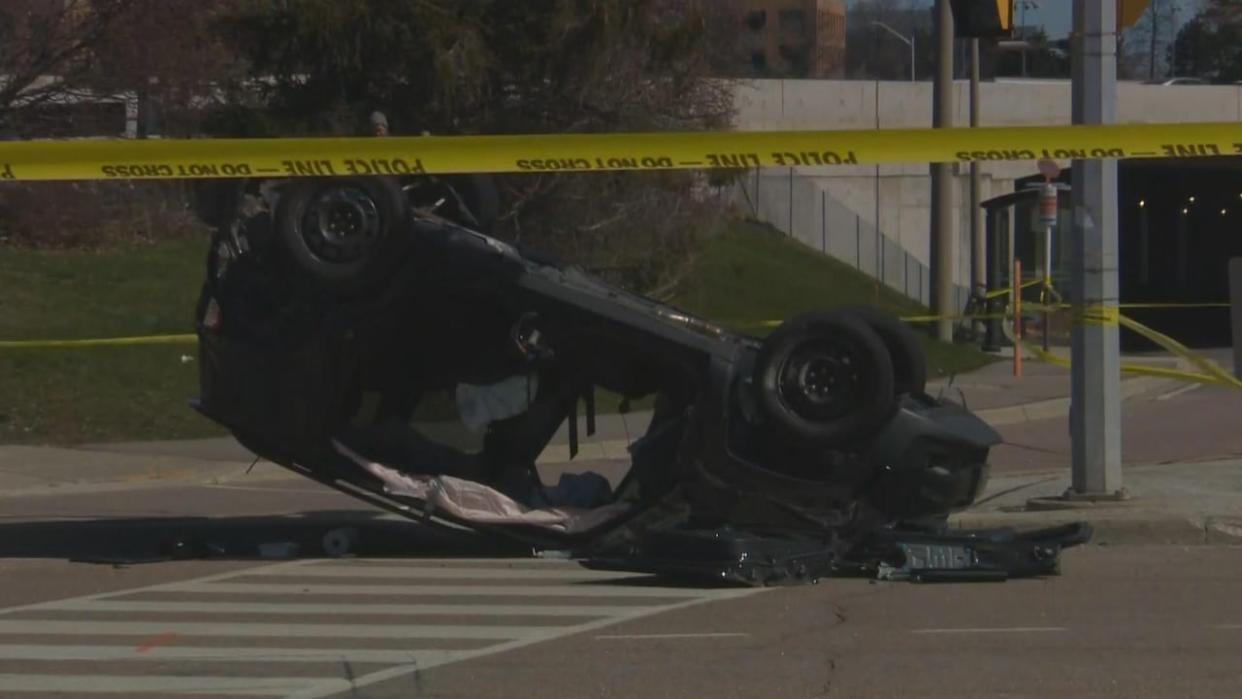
[(213, 635)]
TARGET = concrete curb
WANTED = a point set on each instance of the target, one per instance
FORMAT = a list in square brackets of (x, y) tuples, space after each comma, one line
[(1113, 528), (1057, 407), (263, 472)]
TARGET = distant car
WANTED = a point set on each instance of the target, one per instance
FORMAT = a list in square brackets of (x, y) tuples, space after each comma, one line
[(356, 331)]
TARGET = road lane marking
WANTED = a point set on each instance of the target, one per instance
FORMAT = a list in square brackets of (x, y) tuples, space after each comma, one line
[(580, 617), (111, 684), (138, 590), (275, 489), (249, 629), (401, 671), (232, 655), (1179, 391), (411, 573), (657, 636), (294, 589), (1011, 629), (343, 609)]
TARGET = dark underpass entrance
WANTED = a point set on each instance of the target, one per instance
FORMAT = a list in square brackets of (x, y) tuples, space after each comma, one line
[(1180, 224)]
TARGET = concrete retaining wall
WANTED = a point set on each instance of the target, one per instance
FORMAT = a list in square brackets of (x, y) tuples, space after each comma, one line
[(896, 198)]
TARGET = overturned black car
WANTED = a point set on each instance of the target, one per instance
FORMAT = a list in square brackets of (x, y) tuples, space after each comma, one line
[(368, 333)]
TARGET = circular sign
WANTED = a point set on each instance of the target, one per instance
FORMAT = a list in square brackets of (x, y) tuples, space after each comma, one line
[(1049, 169)]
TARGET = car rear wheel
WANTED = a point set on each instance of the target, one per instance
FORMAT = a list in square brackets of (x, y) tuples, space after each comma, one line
[(825, 379), (338, 233), (904, 348)]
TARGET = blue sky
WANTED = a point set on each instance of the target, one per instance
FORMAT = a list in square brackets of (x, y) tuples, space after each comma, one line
[(1056, 16)]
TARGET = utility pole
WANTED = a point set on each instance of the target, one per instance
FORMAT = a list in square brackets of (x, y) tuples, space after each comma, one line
[(978, 279), (942, 237), (1095, 413), (1173, 42), (1155, 34)]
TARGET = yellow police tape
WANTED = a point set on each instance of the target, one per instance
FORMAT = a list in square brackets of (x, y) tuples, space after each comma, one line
[(317, 157), (106, 342), (1090, 315), (1100, 315)]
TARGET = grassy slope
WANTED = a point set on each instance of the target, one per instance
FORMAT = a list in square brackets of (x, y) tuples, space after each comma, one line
[(67, 396), (750, 274), (64, 396)]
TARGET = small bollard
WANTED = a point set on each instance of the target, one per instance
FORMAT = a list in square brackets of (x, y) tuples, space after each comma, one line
[(1017, 317), (1235, 304)]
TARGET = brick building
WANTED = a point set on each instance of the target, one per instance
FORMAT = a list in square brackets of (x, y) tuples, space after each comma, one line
[(794, 38)]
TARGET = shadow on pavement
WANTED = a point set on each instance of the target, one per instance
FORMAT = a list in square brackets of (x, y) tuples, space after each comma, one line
[(156, 539)]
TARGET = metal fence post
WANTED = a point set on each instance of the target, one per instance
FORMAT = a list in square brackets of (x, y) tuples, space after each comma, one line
[(791, 198), (879, 252), (823, 222), (905, 272), (857, 242), (758, 181), (1235, 294), (882, 258)]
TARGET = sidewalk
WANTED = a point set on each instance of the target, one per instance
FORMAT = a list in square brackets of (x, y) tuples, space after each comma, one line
[(1179, 503)]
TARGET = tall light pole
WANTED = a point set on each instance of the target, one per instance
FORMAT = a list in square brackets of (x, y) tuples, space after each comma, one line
[(899, 35), (978, 250), (942, 234)]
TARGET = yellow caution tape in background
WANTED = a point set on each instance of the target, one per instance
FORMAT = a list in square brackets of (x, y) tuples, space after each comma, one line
[(318, 157), (1212, 373), (106, 342)]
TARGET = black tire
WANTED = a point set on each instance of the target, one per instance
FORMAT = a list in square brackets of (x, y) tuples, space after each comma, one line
[(338, 233), (904, 348), (825, 379)]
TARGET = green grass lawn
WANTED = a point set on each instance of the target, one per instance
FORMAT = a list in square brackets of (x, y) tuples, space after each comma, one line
[(751, 274), (744, 276), (72, 396)]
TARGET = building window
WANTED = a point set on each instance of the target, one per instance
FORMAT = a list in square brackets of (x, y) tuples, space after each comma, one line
[(759, 61), (793, 22), (756, 19)]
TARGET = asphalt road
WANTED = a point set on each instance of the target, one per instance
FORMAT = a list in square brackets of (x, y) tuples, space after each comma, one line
[(1182, 424), (1119, 622)]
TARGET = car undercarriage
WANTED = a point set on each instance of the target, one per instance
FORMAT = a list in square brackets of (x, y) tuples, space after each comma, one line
[(370, 334)]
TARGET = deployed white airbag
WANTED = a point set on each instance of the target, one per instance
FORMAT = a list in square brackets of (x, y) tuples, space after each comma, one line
[(479, 504)]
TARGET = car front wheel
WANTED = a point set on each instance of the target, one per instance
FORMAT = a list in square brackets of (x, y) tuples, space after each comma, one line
[(825, 379)]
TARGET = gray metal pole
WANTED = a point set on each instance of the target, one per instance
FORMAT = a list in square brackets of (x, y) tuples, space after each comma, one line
[(942, 181), (1235, 297), (978, 279), (1095, 415)]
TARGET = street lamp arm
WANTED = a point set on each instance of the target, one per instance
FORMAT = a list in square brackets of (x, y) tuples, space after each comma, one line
[(909, 42), (894, 32)]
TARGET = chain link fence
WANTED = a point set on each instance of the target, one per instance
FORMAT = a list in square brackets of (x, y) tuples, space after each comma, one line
[(799, 207)]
